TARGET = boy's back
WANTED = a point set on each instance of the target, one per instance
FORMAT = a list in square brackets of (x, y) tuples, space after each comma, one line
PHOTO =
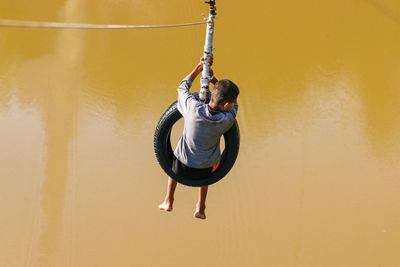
[(198, 146)]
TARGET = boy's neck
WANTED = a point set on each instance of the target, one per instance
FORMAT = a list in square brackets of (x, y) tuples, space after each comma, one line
[(213, 109), (213, 106)]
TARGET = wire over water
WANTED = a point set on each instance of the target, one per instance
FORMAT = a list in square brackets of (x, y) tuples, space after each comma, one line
[(60, 25)]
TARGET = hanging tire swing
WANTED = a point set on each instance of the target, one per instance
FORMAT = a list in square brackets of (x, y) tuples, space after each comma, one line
[(165, 156)]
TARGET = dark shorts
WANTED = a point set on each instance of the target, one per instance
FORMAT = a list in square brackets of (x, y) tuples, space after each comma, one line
[(182, 170)]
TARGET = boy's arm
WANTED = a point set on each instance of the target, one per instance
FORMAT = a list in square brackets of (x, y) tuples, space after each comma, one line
[(196, 71), (199, 68), (184, 95)]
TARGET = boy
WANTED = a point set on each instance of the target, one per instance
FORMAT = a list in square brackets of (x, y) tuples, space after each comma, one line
[(197, 153)]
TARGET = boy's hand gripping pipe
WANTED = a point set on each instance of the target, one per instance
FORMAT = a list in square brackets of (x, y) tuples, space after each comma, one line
[(208, 48)]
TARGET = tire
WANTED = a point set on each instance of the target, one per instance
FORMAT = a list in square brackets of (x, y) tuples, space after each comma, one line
[(164, 153)]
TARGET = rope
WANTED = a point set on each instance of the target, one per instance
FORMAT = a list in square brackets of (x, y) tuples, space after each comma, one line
[(59, 25)]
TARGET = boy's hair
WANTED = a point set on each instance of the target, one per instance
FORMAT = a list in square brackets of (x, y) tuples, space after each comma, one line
[(224, 90)]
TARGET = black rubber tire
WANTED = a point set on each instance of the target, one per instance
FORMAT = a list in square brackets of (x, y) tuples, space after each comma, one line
[(164, 153)]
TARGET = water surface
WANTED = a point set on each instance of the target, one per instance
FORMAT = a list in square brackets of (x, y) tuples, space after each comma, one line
[(316, 182)]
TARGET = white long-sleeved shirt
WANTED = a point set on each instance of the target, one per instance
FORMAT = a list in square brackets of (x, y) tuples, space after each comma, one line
[(198, 146)]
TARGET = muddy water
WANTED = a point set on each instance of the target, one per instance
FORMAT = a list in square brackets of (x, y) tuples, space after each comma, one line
[(316, 182)]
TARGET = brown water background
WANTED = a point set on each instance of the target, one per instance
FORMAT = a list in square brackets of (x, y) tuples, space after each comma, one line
[(317, 180)]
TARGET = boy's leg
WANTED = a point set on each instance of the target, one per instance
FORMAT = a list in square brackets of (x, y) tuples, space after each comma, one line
[(201, 204), (169, 197)]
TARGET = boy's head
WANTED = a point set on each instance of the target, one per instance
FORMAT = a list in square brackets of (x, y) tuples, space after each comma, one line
[(224, 94)]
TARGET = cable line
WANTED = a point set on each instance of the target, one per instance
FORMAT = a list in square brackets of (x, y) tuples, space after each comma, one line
[(60, 25)]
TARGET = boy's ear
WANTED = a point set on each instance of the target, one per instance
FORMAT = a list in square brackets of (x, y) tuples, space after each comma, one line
[(228, 105)]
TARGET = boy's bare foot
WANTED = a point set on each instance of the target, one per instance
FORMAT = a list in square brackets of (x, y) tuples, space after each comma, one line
[(165, 206), (199, 215)]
